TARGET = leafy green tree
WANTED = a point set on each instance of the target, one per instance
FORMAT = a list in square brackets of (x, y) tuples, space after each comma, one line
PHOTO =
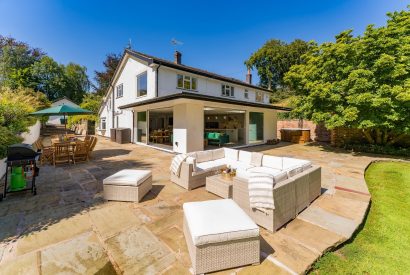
[(103, 78), (273, 60), (359, 82), (15, 107), (77, 83), (15, 60), (92, 102)]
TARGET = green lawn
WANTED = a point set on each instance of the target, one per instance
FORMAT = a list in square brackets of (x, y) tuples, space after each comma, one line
[(383, 245)]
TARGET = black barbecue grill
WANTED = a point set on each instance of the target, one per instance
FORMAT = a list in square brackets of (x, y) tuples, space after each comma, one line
[(22, 155)]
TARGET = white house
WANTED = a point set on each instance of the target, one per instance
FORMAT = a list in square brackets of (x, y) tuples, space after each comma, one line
[(183, 109), (56, 120)]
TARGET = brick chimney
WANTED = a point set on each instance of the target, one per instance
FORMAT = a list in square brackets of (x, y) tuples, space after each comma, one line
[(249, 77), (177, 57)]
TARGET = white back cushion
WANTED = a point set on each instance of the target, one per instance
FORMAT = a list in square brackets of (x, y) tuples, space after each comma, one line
[(272, 162), (192, 160), (245, 157), (218, 154), (202, 156), (256, 159), (231, 154)]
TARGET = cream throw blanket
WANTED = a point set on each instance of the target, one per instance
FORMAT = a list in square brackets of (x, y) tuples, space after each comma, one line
[(260, 187), (176, 164)]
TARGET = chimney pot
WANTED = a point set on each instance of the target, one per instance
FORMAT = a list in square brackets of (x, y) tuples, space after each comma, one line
[(177, 57), (249, 77)]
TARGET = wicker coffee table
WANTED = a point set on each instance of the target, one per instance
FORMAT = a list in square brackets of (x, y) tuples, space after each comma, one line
[(219, 186)]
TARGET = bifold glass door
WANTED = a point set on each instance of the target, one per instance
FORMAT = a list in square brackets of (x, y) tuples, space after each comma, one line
[(255, 126)]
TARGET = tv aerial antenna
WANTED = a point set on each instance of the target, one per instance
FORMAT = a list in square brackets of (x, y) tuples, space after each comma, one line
[(176, 43)]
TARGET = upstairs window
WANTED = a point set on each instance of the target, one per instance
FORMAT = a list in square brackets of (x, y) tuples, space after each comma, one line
[(103, 123), (186, 82), (246, 94), (142, 86), (227, 90), (119, 90), (259, 97)]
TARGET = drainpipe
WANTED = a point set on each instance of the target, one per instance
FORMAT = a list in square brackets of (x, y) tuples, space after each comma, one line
[(156, 80)]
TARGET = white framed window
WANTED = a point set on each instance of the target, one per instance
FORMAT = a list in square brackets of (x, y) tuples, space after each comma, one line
[(142, 85), (103, 123), (259, 97), (246, 94), (120, 91), (187, 82), (228, 90)]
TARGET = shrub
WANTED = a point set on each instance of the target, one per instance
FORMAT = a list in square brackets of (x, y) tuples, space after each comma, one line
[(379, 149)]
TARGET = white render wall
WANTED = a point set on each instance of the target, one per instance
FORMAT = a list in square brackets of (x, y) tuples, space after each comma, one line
[(167, 84)]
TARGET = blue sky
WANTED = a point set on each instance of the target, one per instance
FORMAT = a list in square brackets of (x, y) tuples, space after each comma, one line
[(217, 35)]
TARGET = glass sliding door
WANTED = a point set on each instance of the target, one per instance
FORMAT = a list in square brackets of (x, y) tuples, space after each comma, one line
[(255, 127), (142, 127)]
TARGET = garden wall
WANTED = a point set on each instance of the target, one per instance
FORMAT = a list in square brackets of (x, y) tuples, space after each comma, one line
[(318, 132)]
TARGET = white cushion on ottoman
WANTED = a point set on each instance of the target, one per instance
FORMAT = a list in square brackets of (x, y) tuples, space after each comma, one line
[(128, 177), (217, 221)]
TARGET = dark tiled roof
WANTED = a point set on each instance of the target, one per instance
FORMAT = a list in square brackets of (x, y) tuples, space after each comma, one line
[(156, 60), (201, 97)]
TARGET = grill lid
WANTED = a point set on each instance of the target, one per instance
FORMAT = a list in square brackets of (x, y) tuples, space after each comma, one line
[(20, 151)]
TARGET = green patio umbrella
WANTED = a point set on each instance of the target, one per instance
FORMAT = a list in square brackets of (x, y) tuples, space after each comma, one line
[(65, 110)]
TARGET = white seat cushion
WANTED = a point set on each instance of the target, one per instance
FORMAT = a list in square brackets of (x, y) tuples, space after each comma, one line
[(128, 177), (295, 166), (207, 166), (218, 221), (272, 162), (231, 154), (266, 170)]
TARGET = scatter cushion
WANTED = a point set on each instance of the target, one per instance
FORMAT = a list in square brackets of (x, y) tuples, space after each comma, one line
[(272, 162), (245, 157), (128, 177), (256, 159), (202, 156), (218, 154), (218, 221), (265, 170), (231, 154)]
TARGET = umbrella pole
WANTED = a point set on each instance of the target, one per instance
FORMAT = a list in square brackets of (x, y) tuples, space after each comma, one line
[(65, 124)]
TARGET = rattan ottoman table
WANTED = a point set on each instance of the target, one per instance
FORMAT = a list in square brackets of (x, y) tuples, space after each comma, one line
[(219, 236), (127, 185), (219, 186)]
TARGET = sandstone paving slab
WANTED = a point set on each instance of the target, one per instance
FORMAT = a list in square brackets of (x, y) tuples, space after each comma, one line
[(352, 196), (312, 236), (175, 240), (160, 209), (24, 265), (113, 218), (9, 226), (81, 255), (177, 268), (266, 267), (330, 221), (57, 232), (287, 251), (158, 226), (138, 251), (348, 208)]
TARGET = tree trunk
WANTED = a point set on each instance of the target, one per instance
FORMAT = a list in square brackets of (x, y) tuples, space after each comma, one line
[(368, 135), (385, 136), (378, 136), (395, 139)]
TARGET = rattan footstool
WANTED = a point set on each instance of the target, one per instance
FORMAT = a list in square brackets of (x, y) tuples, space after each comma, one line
[(219, 236), (127, 185)]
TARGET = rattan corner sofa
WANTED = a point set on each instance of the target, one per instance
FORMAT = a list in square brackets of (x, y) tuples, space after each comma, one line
[(291, 194)]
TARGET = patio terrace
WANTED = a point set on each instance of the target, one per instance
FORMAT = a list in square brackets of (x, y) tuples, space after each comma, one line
[(68, 227)]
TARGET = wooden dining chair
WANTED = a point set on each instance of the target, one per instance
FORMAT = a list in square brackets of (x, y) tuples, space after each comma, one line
[(61, 153), (80, 151), (46, 151)]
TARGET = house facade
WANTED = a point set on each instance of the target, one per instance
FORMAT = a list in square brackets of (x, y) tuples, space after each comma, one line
[(183, 109), (59, 120)]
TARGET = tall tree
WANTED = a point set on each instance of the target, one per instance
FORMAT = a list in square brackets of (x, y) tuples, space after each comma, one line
[(359, 82), (104, 77), (76, 82), (274, 59)]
